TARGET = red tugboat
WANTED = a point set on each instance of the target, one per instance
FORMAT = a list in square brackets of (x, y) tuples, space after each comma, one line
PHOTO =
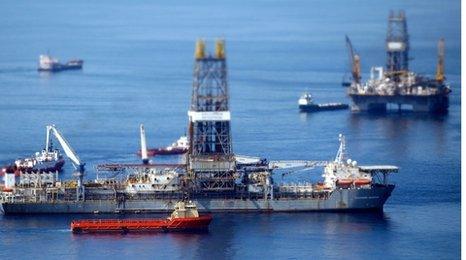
[(179, 147), (185, 217)]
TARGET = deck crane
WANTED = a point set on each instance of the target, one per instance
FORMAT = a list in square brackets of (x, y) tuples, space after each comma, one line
[(71, 154), (278, 164), (290, 164), (297, 165), (354, 62)]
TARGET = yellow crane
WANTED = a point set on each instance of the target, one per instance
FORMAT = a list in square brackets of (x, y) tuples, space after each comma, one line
[(355, 62), (440, 75)]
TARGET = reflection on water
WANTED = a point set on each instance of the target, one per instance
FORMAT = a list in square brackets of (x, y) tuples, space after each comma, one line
[(226, 233), (405, 129)]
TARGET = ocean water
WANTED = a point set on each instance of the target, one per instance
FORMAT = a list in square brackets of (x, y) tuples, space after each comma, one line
[(138, 69)]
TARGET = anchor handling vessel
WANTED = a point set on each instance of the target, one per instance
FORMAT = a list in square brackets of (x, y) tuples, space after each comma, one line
[(212, 175), (396, 87)]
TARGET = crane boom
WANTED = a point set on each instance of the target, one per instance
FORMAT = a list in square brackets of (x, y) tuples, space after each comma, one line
[(145, 159), (296, 164), (354, 61), (70, 153), (440, 76)]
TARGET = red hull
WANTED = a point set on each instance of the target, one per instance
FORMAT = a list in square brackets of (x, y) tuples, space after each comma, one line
[(39, 168), (164, 151), (140, 225)]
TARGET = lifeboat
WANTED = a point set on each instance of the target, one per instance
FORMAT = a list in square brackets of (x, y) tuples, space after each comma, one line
[(7, 189), (362, 182), (344, 183), (185, 217)]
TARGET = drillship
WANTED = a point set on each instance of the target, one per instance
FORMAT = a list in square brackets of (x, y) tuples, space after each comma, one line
[(395, 87), (212, 177)]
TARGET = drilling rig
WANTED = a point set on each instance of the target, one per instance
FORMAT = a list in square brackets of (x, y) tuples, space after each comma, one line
[(395, 87), (211, 162)]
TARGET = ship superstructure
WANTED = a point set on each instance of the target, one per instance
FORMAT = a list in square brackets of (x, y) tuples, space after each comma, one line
[(395, 85), (212, 176)]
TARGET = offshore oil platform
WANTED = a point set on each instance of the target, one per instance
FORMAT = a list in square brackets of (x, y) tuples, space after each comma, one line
[(396, 86), (212, 177)]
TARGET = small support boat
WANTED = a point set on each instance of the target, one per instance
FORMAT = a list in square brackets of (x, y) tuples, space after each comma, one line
[(48, 160), (306, 104), (185, 217), (179, 147), (48, 63)]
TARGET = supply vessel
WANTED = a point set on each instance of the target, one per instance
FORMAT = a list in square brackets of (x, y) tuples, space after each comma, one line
[(185, 218), (212, 176), (395, 87), (47, 160), (51, 64), (306, 104)]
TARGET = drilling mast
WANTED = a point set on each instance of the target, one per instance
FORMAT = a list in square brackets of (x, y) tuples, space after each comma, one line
[(211, 162), (397, 44)]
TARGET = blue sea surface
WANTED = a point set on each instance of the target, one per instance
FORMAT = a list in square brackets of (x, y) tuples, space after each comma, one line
[(138, 69)]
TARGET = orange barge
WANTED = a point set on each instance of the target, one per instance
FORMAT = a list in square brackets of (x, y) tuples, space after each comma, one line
[(185, 217)]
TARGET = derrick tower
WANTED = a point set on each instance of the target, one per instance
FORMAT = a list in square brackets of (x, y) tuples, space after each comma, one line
[(397, 44), (211, 162)]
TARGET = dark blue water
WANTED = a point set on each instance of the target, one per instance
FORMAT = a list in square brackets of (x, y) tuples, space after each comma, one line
[(138, 69)]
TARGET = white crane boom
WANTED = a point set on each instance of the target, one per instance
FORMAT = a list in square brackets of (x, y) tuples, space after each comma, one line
[(70, 153), (145, 158), (296, 164)]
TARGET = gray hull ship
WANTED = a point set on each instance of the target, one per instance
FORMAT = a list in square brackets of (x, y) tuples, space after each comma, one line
[(155, 188), (213, 177), (338, 200)]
